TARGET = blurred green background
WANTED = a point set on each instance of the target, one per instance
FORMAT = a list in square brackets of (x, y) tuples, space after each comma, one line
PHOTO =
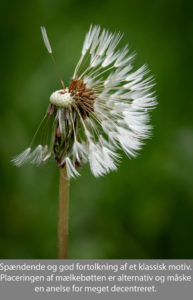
[(145, 209)]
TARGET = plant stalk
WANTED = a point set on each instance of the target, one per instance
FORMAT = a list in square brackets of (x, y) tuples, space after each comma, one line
[(63, 214)]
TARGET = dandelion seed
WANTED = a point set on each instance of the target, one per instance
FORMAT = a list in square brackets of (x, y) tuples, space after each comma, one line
[(105, 108), (21, 158), (45, 38)]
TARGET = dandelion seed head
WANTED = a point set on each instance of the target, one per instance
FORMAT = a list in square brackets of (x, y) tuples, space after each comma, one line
[(105, 108)]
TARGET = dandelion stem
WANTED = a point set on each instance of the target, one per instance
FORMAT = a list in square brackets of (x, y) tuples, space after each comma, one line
[(63, 214)]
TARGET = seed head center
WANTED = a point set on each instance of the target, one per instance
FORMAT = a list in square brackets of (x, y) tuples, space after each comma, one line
[(61, 98)]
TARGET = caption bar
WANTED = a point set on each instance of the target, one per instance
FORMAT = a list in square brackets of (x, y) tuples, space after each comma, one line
[(97, 277)]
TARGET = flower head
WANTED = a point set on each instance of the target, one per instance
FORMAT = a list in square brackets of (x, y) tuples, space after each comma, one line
[(105, 107)]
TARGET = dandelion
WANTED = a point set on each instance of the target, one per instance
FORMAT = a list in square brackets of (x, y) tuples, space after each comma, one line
[(105, 108)]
